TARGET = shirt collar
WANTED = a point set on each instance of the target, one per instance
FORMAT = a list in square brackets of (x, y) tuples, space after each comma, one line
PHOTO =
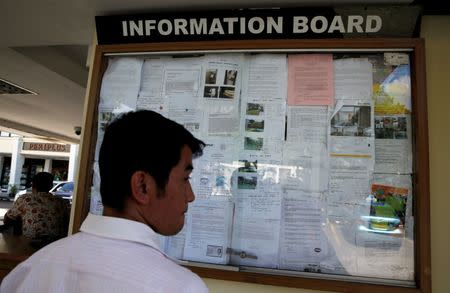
[(123, 229)]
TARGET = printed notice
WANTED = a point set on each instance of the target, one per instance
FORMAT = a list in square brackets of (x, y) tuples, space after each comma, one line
[(302, 240), (353, 79), (310, 80), (121, 82), (208, 231)]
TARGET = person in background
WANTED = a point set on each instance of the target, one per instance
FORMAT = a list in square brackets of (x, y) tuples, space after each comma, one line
[(145, 161), (43, 216)]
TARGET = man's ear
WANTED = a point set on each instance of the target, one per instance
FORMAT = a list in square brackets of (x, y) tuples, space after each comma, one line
[(141, 187)]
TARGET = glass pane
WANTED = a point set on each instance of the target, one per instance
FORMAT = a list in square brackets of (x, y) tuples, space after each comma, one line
[(309, 158)]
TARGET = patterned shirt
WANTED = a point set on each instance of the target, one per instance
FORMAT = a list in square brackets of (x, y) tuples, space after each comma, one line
[(43, 215)]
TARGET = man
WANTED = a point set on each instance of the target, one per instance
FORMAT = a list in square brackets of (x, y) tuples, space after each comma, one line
[(42, 215), (145, 161)]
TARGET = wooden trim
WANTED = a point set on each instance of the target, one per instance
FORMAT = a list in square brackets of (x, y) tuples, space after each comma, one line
[(421, 165), (262, 44), (88, 144), (421, 181), (299, 282)]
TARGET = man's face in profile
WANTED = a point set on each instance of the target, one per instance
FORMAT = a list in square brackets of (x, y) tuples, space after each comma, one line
[(170, 207)]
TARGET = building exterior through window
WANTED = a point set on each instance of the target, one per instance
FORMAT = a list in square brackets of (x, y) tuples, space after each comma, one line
[(22, 157)]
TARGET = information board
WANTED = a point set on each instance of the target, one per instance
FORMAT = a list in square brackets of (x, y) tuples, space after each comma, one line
[(310, 165)]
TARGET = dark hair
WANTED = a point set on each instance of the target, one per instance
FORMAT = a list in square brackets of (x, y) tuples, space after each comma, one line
[(43, 181), (140, 141)]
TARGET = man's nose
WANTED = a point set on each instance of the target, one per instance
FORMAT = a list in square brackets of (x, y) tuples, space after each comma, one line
[(190, 196)]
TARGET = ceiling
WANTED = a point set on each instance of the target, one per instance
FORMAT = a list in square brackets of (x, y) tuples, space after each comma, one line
[(44, 48)]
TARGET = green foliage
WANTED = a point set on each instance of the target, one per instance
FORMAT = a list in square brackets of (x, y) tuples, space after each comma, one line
[(385, 104), (12, 189)]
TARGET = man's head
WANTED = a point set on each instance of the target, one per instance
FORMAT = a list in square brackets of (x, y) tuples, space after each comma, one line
[(42, 182), (145, 161)]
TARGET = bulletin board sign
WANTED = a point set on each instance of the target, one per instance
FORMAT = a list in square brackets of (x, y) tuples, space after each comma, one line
[(315, 173), (246, 24)]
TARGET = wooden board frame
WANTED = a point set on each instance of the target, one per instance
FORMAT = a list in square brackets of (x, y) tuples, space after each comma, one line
[(421, 204)]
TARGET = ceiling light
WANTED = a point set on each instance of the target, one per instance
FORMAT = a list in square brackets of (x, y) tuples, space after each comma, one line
[(9, 88)]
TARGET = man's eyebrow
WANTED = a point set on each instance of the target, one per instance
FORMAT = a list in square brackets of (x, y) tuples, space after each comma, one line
[(189, 168)]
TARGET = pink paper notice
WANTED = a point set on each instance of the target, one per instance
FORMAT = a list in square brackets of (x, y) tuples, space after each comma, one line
[(310, 80)]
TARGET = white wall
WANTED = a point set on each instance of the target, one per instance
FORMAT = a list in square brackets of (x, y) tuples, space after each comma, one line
[(436, 31), (6, 145)]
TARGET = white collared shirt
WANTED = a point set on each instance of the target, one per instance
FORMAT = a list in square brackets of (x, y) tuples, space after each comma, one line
[(108, 255)]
